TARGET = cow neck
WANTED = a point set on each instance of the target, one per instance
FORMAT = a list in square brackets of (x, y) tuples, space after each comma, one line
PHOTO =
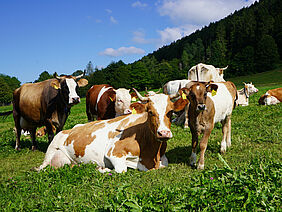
[(64, 106), (246, 92)]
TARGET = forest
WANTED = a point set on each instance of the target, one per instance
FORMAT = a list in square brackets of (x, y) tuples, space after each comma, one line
[(248, 41)]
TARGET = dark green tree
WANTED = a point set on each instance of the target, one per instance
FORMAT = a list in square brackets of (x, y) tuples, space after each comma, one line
[(44, 76)]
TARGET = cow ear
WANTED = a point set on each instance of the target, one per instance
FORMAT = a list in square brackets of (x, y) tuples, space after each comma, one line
[(211, 87), (82, 82), (55, 84), (138, 107)]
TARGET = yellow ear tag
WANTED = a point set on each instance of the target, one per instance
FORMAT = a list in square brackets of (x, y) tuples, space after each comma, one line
[(213, 92), (133, 99), (134, 111), (184, 96), (111, 99), (56, 87)]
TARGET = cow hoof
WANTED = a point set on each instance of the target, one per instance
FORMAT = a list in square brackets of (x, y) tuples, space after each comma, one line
[(200, 167)]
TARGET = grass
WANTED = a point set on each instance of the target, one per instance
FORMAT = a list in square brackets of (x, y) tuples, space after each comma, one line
[(247, 177)]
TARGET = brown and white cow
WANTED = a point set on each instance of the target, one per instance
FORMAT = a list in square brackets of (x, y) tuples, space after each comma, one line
[(46, 103), (209, 104), (271, 97), (244, 94), (205, 73), (105, 102), (136, 141)]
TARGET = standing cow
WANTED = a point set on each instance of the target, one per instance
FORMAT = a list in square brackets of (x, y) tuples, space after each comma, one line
[(205, 73), (136, 141), (209, 104), (46, 103), (105, 102)]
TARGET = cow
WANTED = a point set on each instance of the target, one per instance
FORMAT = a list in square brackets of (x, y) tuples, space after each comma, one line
[(209, 103), (136, 141), (45, 103), (271, 97), (206, 73), (244, 94), (105, 102), (173, 86)]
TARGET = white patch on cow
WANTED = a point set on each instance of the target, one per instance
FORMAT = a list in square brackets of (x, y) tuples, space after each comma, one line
[(198, 87), (102, 91), (193, 159), (223, 102), (160, 104), (223, 146), (271, 100), (72, 92), (123, 101)]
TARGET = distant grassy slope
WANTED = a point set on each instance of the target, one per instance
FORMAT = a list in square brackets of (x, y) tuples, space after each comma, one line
[(269, 78)]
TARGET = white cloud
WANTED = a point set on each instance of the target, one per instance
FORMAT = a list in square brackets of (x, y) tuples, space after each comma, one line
[(171, 34), (108, 11), (139, 4), (122, 51), (199, 12), (113, 20), (140, 37)]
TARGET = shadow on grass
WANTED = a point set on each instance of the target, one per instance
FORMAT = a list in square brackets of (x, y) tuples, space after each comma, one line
[(179, 155)]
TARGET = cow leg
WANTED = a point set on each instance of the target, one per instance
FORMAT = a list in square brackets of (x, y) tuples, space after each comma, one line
[(163, 162), (193, 157), (228, 137), (119, 164), (49, 129), (18, 129), (34, 143), (186, 117), (203, 147), (225, 130)]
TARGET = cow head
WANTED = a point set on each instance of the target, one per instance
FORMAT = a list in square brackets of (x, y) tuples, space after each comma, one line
[(67, 86), (197, 93), (122, 101), (250, 88), (160, 108)]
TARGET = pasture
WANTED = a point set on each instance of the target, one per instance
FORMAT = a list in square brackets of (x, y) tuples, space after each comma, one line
[(247, 177)]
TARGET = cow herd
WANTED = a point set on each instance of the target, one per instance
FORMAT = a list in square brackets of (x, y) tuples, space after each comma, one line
[(125, 134)]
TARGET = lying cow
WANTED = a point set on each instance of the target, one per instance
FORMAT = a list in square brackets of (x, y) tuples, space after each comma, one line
[(244, 94), (46, 103), (209, 104), (205, 73), (271, 97), (136, 141), (105, 102)]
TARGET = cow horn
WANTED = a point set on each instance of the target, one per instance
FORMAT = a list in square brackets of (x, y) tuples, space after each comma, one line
[(224, 68), (158, 91), (140, 96), (146, 90), (173, 96), (79, 76), (55, 75)]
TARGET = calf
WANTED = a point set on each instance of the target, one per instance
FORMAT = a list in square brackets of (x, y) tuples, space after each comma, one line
[(244, 94), (209, 104), (137, 141), (105, 102), (271, 97)]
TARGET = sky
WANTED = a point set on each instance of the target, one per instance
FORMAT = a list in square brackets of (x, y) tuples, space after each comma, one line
[(64, 35)]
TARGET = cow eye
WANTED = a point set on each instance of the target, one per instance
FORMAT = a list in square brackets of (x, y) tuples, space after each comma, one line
[(169, 114), (205, 94)]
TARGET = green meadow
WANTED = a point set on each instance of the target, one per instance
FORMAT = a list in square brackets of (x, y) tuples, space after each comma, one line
[(246, 178)]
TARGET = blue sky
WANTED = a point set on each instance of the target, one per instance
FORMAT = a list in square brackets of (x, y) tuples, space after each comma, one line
[(64, 35)]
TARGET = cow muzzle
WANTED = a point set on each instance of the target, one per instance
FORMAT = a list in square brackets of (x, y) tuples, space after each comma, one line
[(74, 100), (127, 111), (164, 134), (201, 107)]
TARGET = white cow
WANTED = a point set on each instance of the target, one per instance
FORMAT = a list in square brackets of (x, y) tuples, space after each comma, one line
[(205, 73)]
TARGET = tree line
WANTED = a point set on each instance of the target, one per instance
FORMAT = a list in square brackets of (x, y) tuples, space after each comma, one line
[(248, 41)]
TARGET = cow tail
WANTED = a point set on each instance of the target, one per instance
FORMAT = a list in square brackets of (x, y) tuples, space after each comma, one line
[(6, 114)]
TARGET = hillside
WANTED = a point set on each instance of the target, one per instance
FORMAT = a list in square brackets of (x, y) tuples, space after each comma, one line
[(248, 41)]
